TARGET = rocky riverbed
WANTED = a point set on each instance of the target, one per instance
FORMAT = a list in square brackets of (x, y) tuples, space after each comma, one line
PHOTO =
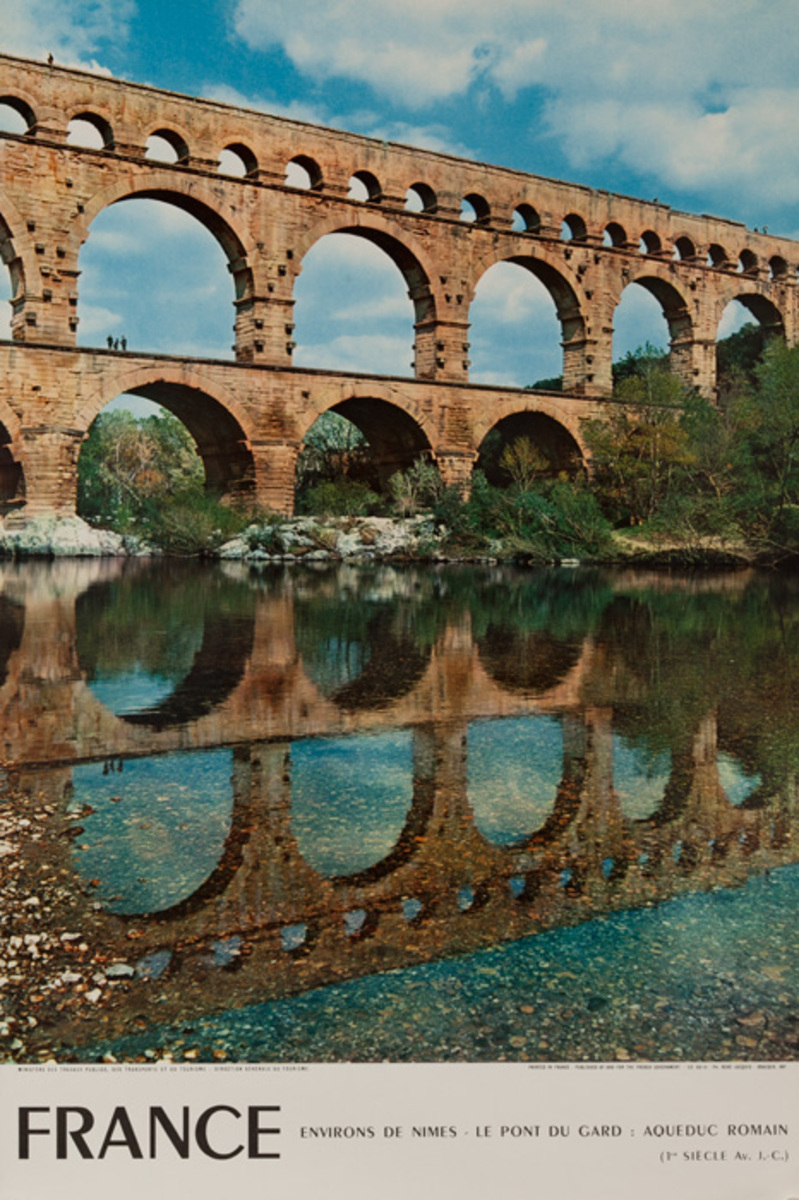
[(352, 539)]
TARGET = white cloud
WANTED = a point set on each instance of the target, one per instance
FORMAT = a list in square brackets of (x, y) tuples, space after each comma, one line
[(695, 93), (515, 333), (371, 124), (296, 110), (72, 31), (734, 317), (753, 144), (370, 353), (96, 321), (352, 310)]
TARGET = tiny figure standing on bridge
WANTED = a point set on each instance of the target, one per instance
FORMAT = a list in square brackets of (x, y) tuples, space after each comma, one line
[(110, 342), (123, 343)]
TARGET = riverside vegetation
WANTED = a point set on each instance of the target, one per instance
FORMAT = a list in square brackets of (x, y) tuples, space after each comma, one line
[(671, 474)]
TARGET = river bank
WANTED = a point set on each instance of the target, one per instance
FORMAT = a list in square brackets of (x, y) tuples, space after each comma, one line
[(367, 539)]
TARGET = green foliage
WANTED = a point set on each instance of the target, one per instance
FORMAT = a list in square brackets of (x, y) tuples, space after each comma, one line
[(640, 363), (767, 444), (524, 463), (416, 488), (333, 447), (642, 452), (554, 384), (128, 462), (342, 497), (741, 352), (191, 523), (670, 459), (546, 520), (144, 476)]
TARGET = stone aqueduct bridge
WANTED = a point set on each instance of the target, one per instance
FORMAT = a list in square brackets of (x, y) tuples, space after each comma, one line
[(249, 417)]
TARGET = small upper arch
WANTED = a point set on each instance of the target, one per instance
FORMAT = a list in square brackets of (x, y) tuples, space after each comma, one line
[(420, 197), (717, 257), (16, 115), (90, 130), (167, 145), (526, 219), (684, 249), (304, 173), (748, 262), (573, 228), (365, 187), (650, 242), (238, 160), (778, 267), (615, 235), (475, 209)]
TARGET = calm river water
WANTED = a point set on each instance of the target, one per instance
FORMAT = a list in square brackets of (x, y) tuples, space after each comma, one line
[(404, 814)]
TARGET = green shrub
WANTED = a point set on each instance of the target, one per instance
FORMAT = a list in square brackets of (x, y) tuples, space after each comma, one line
[(190, 523), (343, 497)]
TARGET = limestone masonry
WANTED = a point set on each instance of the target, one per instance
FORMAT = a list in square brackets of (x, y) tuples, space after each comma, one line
[(249, 416)]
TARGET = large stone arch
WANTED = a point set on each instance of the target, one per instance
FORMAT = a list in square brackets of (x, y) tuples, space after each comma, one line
[(192, 194), (221, 428), (12, 460), (659, 282), (763, 309), (571, 305), (396, 434), (548, 408), (18, 255), (560, 281), (402, 248)]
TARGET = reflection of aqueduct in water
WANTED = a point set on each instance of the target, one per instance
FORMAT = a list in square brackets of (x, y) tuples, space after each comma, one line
[(249, 417), (444, 887)]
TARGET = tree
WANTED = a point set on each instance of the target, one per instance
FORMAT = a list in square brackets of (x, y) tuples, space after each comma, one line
[(767, 421), (641, 451), (333, 448), (524, 463), (127, 462)]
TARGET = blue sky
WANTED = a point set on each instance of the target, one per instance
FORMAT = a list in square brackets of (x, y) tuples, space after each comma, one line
[(692, 101)]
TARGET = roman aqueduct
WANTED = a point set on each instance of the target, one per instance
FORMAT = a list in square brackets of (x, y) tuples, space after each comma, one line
[(249, 415)]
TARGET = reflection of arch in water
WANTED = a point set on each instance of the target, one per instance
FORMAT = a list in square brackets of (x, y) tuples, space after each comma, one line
[(740, 786), (165, 629), (163, 834), (12, 623), (640, 778), (352, 804), (514, 769), (527, 662), (360, 655)]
